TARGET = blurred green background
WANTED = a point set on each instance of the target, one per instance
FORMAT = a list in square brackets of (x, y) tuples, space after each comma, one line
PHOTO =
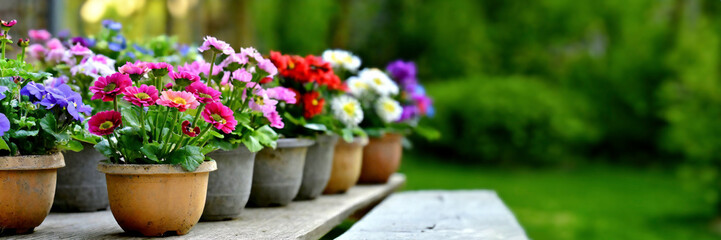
[(592, 119)]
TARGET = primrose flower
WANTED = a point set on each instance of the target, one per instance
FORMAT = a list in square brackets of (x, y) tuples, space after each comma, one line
[(142, 96), (36, 51), (347, 109), (4, 124), (388, 110), (218, 46), (181, 100), (80, 50), (104, 123), (220, 116), (135, 70), (203, 93), (189, 130), (274, 119), (378, 81), (39, 35), (312, 104), (183, 78), (281, 93), (160, 68), (342, 59), (106, 88)]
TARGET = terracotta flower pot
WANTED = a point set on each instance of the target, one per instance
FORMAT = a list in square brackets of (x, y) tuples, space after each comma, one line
[(27, 188), (318, 163), (81, 188), (277, 173), (156, 199), (229, 186), (381, 158), (347, 160)]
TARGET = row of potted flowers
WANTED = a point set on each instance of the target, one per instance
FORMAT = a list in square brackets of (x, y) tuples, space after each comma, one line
[(180, 138)]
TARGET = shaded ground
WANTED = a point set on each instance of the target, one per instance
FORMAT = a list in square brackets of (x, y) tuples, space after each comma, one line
[(599, 202)]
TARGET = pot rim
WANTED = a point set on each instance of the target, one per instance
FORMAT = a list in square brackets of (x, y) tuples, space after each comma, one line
[(294, 142), (152, 169), (357, 140), (32, 162)]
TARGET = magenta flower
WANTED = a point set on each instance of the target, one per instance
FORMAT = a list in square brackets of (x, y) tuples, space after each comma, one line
[(281, 93), (80, 50), (160, 68), (183, 78), (142, 96), (181, 100), (8, 24), (137, 68), (216, 45), (39, 35), (203, 93), (54, 43), (104, 123), (36, 51), (106, 88), (274, 119), (220, 116)]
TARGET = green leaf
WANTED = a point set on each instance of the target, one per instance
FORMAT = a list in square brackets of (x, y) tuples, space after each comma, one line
[(49, 124), (252, 143), (151, 151), (130, 115), (4, 145), (71, 145), (189, 157), (104, 148), (316, 127), (266, 136), (24, 133), (347, 134)]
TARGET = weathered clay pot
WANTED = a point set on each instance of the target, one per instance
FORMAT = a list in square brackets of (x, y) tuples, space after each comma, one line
[(229, 186), (81, 188), (318, 163), (156, 199), (347, 161), (27, 187), (381, 158), (277, 173)]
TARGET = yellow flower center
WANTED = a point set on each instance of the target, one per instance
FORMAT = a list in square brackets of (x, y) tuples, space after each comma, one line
[(361, 85), (389, 107), (377, 81), (180, 100), (109, 87), (142, 95), (106, 125), (291, 65), (218, 118), (349, 109), (314, 102)]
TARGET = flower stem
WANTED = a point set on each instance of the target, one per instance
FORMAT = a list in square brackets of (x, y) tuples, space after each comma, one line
[(197, 114), (3, 47), (165, 118), (110, 143), (142, 125), (22, 56), (115, 103), (210, 73), (170, 132)]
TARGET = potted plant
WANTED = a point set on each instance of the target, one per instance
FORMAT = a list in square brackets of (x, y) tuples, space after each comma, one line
[(235, 78), (157, 170), (34, 125)]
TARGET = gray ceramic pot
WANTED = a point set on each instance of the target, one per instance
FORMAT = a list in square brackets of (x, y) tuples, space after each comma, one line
[(229, 186), (80, 187), (318, 163), (277, 174)]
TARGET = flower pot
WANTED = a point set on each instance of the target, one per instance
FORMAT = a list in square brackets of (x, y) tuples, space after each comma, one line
[(156, 199), (81, 188), (27, 188), (229, 186), (381, 158), (347, 160), (318, 163), (277, 173)]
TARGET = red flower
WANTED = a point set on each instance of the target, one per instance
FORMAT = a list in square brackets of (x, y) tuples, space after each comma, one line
[(190, 131), (220, 116), (294, 67), (106, 88), (312, 104), (266, 80), (104, 123)]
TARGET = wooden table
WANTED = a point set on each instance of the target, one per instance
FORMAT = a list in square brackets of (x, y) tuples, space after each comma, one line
[(473, 214), (299, 220)]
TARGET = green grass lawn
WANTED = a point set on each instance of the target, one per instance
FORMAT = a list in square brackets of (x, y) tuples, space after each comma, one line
[(593, 202)]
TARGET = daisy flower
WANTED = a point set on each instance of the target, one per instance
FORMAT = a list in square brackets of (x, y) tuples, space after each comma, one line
[(357, 86), (342, 59), (106, 88), (142, 96), (216, 45), (388, 110), (378, 81), (220, 116), (181, 100), (347, 109), (104, 123)]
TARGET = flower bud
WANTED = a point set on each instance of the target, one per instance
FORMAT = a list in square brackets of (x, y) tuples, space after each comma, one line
[(23, 42)]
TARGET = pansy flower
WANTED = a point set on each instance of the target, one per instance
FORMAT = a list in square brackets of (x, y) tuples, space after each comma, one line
[(142, 96), (104, 123), (220, 116), (34, 91), (106, 88)]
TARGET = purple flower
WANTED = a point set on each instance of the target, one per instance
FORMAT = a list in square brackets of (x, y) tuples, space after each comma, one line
[(409, 112), (403, 72), (112, 25), (117, 43), (33, 90), (63, 34), (56, 81), (4, 124), (3, 89), (64, 96), (143, 50), (86, 42)]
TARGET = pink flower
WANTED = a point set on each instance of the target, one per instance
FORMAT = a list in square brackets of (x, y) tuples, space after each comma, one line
[(183, 78), (240, 74), (281, 93), (59, 55), (216, 45), (8, 24), (267, 66), (181, 100), (54, 44), (274, 119), (106, 88), (39, 35), (143, 96), (261, 102), (137, 68), (36, 51), (160, 68), (238, 58), (220, 116), (203, 93), (80, 50)]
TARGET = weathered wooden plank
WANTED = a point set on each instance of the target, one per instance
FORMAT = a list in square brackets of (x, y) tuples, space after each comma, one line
[(299, 220), (471, 214)]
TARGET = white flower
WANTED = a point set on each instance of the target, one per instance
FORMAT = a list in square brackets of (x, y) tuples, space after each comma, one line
[(357, 86), (342, 59), (388, 109), (378, 81), (95, 67), (347, 109)]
